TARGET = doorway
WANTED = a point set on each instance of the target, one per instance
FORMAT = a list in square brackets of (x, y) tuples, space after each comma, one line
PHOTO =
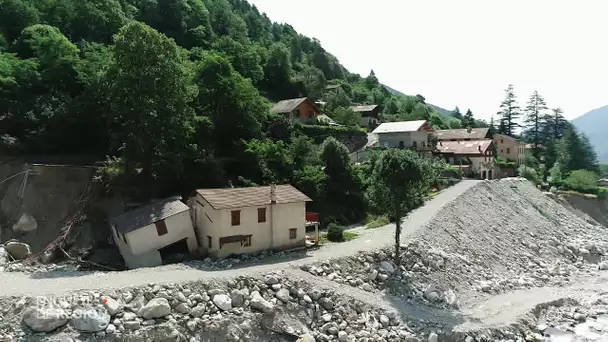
[(175, 252), (483, 174), (490, 174)]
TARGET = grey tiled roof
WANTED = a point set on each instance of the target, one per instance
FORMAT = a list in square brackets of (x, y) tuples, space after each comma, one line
[(400, 127), (250, 197), (363, 108), (146, 215), (461, 134), (287, 106)]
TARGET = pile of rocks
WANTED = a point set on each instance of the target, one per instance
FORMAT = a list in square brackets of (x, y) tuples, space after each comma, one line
[(499, 236), (245, 309)]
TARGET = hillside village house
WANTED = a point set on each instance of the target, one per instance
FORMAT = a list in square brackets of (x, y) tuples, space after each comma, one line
[(474, 157), (147, 235), (405, 134), (508, 148), (300, 109), (463, 134), (369, 115), (246, 220)]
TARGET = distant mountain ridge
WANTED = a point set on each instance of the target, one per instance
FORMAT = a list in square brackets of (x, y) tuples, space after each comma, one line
[(439, 110), (594, 125)]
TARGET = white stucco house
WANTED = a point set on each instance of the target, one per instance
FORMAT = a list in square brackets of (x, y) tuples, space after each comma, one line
[(405, 134), (148, 234), (246, 220)]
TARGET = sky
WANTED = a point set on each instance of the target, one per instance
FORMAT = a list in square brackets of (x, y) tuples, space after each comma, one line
[(464, 53)]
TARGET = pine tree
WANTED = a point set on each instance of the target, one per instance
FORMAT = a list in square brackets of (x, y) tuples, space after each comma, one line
[(468, 120), (557, 123), (509, 112), (575, 152), (492, 128), (456, 113), (535, 112)]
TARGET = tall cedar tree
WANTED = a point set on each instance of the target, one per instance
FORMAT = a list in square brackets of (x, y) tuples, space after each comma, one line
[(535, 112), (509, 112), (468, 120)]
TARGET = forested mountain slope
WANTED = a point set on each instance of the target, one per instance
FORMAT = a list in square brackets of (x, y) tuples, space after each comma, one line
[(177, 93), (594, 124), (438, 109)]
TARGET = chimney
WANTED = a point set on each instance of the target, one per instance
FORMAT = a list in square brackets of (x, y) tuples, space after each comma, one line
[(273, 194), (440, 144), (479, 148), (469, 129)]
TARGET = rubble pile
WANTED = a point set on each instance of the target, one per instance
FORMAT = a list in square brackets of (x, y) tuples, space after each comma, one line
[(499, 236), (272, 308)]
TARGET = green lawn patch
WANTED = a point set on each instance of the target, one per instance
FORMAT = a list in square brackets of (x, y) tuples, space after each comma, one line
[(376, 222)]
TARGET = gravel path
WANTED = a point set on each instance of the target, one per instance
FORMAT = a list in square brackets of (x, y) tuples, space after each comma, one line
[(16, 283)]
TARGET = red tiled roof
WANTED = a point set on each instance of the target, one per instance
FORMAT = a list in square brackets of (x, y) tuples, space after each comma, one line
[(250, 197), (465, 147)]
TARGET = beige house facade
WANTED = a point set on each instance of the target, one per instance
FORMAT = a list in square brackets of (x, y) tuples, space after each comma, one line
[(247, 220), (147, 235), (508, 148), (405, 134)]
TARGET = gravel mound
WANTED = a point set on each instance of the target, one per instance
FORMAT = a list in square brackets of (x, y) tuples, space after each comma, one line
[(500, 235)]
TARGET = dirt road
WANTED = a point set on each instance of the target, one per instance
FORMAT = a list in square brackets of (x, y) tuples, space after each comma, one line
[(16, 283)]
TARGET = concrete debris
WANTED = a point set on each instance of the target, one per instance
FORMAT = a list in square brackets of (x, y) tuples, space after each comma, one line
[(18, 250), (25, 224)]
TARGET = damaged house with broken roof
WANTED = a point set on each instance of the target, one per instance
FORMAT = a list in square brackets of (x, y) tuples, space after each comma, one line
[(216, 222), (148, 235)]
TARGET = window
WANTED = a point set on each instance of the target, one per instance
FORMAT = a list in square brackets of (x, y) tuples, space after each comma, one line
[(261, 215), (124, 238), (247, 241), (161, 227), (414, 144), (401, 144), (209, 241), (236, 217), (293, 233), (501, 141), (508, 150), (422, 144), (501, 151)]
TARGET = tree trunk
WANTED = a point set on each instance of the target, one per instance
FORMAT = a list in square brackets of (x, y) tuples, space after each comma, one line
[(397, 241)]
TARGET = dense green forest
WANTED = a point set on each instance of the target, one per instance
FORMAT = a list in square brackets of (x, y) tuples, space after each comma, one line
[(560, 155), (176, 95)]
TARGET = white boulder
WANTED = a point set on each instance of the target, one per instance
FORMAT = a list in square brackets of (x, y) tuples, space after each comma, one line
[(156, 308), (45, 320)]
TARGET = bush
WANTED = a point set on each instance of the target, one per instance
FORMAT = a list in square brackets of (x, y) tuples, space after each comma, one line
[(319, 133), (582, 181), (529, 174), (335, 233), (500, 162)]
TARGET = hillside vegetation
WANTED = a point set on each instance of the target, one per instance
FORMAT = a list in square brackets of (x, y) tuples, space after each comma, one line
[(594, 124), (177, 94)]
